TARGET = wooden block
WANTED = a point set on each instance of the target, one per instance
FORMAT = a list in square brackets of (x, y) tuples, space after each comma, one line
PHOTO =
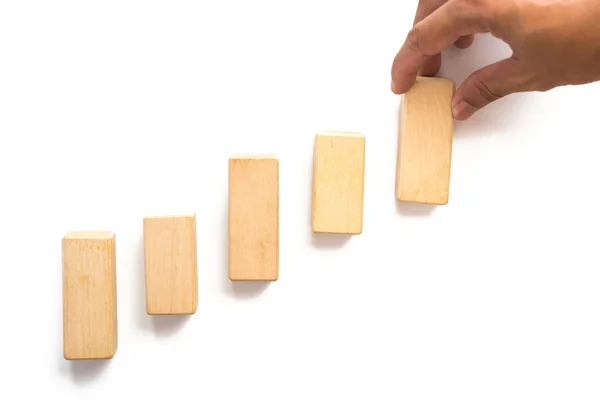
[(253, 218), (89, 295), (338, 182), (171, 264), (425, 142)]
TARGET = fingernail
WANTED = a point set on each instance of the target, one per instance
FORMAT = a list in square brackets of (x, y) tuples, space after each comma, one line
[(393, 86), (455, 102), (463, 111)]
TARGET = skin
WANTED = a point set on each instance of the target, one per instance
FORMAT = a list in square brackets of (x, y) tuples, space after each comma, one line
[(554, 43)]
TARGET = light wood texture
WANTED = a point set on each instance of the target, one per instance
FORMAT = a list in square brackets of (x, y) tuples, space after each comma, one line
[(89, 295), (425, 142), (170, 262), (253, 218), (338, 182)]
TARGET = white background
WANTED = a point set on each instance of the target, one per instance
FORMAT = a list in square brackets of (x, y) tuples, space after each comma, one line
[(113, 110)]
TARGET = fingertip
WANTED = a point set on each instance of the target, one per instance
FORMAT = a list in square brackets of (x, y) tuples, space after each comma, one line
[(464, 41), (432, 66), (405, 69), (463, 111), (393, 87), (402, 85)]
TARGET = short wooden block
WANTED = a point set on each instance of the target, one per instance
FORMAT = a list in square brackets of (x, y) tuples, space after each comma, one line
[(171, 264), (425, 142), (89, 295), (338, 182), (253, 218)]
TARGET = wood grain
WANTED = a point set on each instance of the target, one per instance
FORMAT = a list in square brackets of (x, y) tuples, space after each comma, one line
[(253, 218), (170, 263), (89, 295), (425, 142), (338, 182)]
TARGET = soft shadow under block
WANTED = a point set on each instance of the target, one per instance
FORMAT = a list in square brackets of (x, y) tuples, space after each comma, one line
[(338, 182), (253, 231), (170, 264), (425, 142), (89, 295)]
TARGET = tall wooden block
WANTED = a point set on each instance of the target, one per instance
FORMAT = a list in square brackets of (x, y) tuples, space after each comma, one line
[(171, 264), (425, 142), (253, 218), (89, 295), (338, 182)]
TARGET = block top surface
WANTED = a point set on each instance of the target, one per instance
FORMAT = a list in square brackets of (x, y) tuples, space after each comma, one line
[(253, 157), (340, 133), (427, 81), (434, 79), (180, 214), (90, 235)]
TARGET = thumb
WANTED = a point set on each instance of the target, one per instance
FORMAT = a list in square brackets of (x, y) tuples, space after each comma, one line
[(486, 86)]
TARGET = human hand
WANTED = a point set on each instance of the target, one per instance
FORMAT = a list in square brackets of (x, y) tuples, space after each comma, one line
[(554, 43)]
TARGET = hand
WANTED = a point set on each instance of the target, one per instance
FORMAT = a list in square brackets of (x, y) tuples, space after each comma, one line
[(554, 43)]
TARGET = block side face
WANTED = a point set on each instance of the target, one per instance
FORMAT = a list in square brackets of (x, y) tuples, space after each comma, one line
[(315, 177), (253, 228), (113, 288), (399, 158), (194, 264), (170, 265), (338, 185), (89, 298), (425, 143)]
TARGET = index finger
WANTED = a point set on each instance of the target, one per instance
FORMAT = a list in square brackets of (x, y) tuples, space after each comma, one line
[(431, 36), (424, 9)]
